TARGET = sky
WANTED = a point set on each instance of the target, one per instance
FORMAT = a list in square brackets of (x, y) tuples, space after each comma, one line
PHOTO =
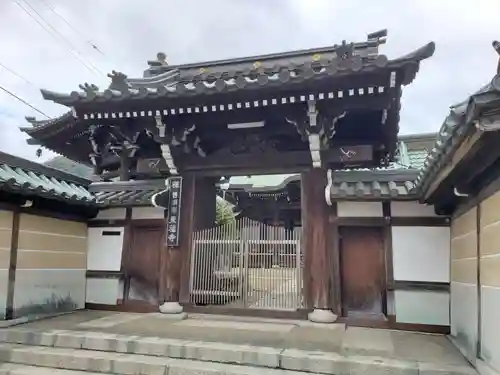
[(127, 33)]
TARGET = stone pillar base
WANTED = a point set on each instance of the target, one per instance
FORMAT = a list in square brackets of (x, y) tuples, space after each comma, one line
[(173, 309), (322, 316)]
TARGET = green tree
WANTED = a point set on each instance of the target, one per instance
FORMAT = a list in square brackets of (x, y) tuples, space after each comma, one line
[(223, 213)]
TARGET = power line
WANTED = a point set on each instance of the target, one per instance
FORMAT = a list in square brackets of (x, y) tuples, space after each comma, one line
[(16, 74), (92, 44), (54, 33), (22, 101), (54, 30)]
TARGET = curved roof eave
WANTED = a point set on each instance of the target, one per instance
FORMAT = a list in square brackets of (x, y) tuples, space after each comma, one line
[(37, 125), (123, 88)]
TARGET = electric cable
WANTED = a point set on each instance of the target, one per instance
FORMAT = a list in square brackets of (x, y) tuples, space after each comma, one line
[(22, 101), (54, 33), (76, 31)]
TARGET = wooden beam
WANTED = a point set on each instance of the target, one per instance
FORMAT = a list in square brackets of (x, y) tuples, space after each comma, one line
[(356, 155), (388, 255), (318, 272), (334, 246), (197, 212), (126, 251), (11, 282), (124, 165)]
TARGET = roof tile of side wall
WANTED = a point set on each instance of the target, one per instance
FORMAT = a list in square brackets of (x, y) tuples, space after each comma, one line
[(24, 177), (126, 193), (412, 159), (460, 120)]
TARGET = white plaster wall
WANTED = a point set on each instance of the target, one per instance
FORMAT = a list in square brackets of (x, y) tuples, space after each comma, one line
[(54, 289), (490, 326), (111, 214), (421, 253), (105, 248), (103, 291), (464, 317), (422, 307), (411, 209), (148, 213), (359, 209)]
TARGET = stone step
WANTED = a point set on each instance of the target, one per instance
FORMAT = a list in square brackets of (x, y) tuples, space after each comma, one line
[(85, 361), (16, 369), (105, 347)]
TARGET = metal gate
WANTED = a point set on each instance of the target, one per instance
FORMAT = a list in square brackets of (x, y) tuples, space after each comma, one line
[(247, 264)]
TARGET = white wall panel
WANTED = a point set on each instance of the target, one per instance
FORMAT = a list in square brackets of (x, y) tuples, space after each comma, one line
[(422, 307), (111, 214), (359, 209), (490, 326), (104, 291), (105, 248), (464, 317), (421, 253), (411, 209)]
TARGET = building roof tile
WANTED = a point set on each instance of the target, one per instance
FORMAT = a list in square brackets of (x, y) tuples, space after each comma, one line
[(32, 179), (245, 74), (460, 120), (126, 193)]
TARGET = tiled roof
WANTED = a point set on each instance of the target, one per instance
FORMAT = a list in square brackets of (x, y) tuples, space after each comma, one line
[(456, 125), (126, 193), (395, 184), (260, 183), (32, 179), (417, 158), (412, 160), (245, 74)]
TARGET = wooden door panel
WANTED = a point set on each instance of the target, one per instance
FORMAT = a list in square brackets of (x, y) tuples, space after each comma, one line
[(362, 270), (142, 264)]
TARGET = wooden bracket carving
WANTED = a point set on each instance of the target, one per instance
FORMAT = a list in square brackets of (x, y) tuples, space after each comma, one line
[(167, 156), (184, 137), (316, 129), (314, 135)]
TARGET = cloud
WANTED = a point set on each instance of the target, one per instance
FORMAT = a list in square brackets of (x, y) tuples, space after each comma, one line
[(130, 32)]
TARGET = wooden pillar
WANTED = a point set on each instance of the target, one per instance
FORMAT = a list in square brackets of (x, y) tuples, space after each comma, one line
[(317, 246), (197, 211), (124, 164)]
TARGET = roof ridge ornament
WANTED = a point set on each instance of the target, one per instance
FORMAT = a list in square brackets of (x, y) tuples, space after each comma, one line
[(89, 88), (118, 81), (496, 47), (379, 36), (344, 51), (161, 57)]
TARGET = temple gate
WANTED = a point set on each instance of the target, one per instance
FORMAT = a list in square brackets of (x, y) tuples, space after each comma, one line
[(305, 112)]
